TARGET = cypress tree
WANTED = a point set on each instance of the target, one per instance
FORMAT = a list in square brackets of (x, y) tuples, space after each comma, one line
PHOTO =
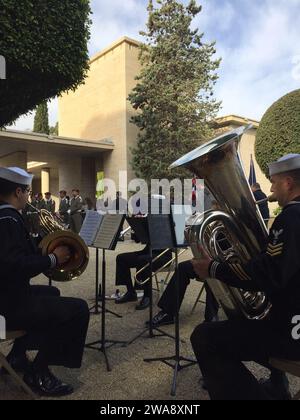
[(41, 119)]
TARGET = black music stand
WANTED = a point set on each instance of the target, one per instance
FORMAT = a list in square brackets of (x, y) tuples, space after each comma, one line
[(177, 358), (98, 308), (106, 239), (88, 233), (152, 231)]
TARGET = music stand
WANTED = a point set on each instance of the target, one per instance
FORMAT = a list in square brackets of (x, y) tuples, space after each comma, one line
[(88, 233), (106, 239), (153, 231), (177, 358)]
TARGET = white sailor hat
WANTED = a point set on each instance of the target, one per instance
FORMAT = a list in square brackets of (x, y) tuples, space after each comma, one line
[(16, 175), (287, 163)]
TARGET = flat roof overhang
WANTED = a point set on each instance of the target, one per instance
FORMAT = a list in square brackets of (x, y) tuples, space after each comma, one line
[(50, 149)]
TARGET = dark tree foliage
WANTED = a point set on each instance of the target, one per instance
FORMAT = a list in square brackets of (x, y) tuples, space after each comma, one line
[(174, 93), (44, 44)]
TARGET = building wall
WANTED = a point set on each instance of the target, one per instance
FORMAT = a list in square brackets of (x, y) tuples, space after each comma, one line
[(18, 159), (133, 68), (69, 174), (88, 178), (99, 109)]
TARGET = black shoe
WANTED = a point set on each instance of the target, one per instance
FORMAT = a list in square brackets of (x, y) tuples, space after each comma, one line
[(162, 318), (46, 384), (144, 304), (128, 297), (275, 391), (19, 363), (212, 319), (202, 383)]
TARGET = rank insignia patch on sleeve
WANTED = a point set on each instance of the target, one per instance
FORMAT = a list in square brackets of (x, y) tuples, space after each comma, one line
[(276, 236), (275, 250)]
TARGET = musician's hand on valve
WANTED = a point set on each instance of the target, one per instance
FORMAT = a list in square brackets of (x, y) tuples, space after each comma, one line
[(62, 254), (201, 265)]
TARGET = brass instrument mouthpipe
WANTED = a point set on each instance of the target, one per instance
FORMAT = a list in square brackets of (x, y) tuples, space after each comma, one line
[(270, 199)]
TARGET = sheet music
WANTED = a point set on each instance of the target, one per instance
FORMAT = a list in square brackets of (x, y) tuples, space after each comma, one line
[(140, 228), (161, 231), (90, 227), (180, 214), (108, 231)]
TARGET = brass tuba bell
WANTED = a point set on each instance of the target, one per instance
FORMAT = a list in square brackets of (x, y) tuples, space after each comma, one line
[(54, 234), (238, 218)]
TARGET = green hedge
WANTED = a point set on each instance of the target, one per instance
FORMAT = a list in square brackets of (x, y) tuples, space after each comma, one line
[(279, 131), (44, 43)]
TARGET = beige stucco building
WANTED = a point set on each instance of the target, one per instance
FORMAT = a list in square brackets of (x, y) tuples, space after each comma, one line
[(95, 133), (99, 109)]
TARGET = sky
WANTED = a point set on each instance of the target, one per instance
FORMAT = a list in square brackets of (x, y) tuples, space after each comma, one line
[(258, 41)]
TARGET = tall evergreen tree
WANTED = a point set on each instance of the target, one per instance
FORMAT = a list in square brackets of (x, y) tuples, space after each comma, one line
[(174, 93), (41, 119)]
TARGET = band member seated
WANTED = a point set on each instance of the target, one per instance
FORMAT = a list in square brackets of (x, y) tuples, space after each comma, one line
[(167, 302), (186, 273), (138, 260), (141, 259), (56, 327), (221, 348)]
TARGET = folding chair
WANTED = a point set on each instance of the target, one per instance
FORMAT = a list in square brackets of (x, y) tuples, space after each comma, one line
[(12, 335), (168, 270), (287, 366)]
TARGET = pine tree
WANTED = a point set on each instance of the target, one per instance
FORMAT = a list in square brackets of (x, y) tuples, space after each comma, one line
[(174, 93), (41, 119)]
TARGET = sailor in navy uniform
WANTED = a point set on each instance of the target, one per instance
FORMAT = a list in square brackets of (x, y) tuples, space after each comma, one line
[(221, 348), (55, 326), (49, 203)]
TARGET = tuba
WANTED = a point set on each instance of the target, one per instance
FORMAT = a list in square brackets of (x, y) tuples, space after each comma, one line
[(54, 234), (237, 219)]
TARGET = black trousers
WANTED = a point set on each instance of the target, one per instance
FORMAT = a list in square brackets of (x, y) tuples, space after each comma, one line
[(186, 273), (76, 222), (222, 347), (138, 260), (56, 326)]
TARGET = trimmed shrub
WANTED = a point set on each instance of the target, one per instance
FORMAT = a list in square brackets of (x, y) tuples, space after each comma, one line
[(279, 131)]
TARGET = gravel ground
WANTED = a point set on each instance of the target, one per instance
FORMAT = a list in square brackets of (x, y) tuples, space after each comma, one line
[(131, 378)]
